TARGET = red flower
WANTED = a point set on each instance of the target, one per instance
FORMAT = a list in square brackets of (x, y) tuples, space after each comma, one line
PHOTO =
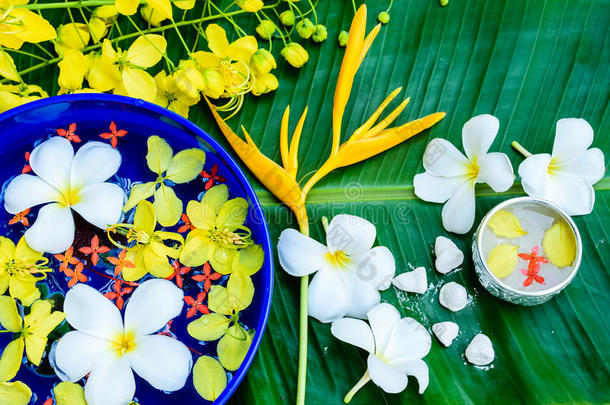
[(534, 259), (76, 275), (94, 249), (211, 177), (196, 304), (69, 134), (532, 274), (120, 262), (27, 168), (179, 271), (118, 293), (66, 259), (20, 217), (207, 277), (49, 401), (113, 134), (187, 224)]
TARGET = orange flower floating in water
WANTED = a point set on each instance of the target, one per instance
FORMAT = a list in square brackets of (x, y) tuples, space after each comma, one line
[(179, 271), (69, 134), (207, 277), (76, 275), (118, 293), (120, 262), (186, 226), (210, 178), (66, 259), (114, 134), (27, 168), (94, 250), (533, 267), (20, 217), (196, 305)]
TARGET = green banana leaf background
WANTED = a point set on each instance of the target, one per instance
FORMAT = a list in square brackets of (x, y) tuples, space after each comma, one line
[(529, 63)]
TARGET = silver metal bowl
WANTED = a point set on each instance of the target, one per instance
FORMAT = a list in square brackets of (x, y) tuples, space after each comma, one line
[(495, 285)]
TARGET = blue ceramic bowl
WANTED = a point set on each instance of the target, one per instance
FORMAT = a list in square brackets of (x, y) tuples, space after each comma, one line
[(21, 127)]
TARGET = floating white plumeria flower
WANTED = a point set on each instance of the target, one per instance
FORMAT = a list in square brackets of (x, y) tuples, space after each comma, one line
[(450, 176), (566, 176), (396, 348), (350, 272), (66, 181), (108, 349)]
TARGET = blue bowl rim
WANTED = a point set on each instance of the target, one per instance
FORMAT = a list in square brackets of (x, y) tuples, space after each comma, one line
[(239, 375)]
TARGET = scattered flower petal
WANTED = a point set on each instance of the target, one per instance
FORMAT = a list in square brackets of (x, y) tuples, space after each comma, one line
[(502, 260), (559, 244), (505, 224)]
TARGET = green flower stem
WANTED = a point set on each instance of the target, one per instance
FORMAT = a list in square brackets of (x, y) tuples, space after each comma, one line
[(365, 378), (313, 9), (520, 149), (68, 4), (302, 370)]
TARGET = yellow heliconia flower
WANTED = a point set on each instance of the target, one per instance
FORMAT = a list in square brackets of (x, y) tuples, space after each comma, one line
[(178, 169), (147, 251), (171, 97), (72, 70), (125, 69), (19, 25), (20, 268), (33, 331), (216, 236), (13, 95)]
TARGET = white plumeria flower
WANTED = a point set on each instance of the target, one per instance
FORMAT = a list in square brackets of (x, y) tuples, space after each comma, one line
[(566, 177), (451, 177), (396, 348), (350, 272), (65, 181), (107, 348)]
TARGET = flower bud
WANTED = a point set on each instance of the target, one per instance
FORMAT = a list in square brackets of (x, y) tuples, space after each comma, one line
[(264, 84), (152, 15), (305, 28), (295, 54), (287, 18), (262, 62), (107, 13), (188, 78), (250, 5), (319, 34), (383, 17), (71, 36), (98, 29), (443, 3), (213, 83), (265, 29), (343, 37)]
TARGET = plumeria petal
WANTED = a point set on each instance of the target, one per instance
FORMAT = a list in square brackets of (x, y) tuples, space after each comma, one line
[(390, 379), (533, 172), (94, 162), (573, 137), (478, 134), (53, 231), (329, 297), (293, 246), (589, 165), (90, 312), (355, 332), (382, 318), (154, 303), (110, 382), (408, 340), (26, 191), (52, 161), (350, 234), (436, 189), (441, 158), (376, 267), (496, 170), (363, 295), (574, 194), (76, 353), (458, 211), (100, 204), (416, 368), (162, 361)]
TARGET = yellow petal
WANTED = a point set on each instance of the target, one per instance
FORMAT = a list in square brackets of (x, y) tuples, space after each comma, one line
[(242, 49), (240, 290), (218, 300), (506, 224), (216, 197), (233, 347), (147, 50), (162, 249), (197, 249), (163, 7), (98, 29), (284, 137), (9, 317), (152, 16), (34, 348), (67, 393), (138, 193), (249, 260), (73, 35), (10, 41), (4, 281), (168, 207), (25, 254), (72, 70), (37, 29), (209, 327), (222, 258), (156, 265), (15, 393), (185, 165), (209, 378), (206, 59), (202, 216), (360, 132), (232, 214), (185, 4), (41, 321), (10, 362), (24, 289), (127, 7), (7, 249), (144, 219), (134, 256), (159, 154), (217, 40), (108, 51), (7, 67), (502, 260), (139, 84), (559, 244), (103, 75)]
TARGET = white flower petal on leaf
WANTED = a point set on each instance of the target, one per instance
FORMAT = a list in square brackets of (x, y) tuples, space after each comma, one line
[(53, 230), (363, 294), (533, 172), (76, 352), (350, 234), (458, 212), (329, 296), (495, 170), (111, 381), (26, 191), (382, 318), (52, 162), (436, 189), (478, 133), (300, 255), (442, 158), (573, 136), (100, 204), (376, 267), (90, 312), (356, 332), (416, 368), (589, 166), (574, 194), (388, 378), (408, 340), (95, 162)]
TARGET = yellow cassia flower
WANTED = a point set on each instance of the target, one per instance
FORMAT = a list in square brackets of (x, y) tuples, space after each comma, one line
[(124, 70), (72, 70), (71, 36), (19, 25), (215, 238), (7, 67), (170, 96), (20, 268), (250, 6), (15, 393), (33, 331), (180, 168), (13, 95), (148, 252)]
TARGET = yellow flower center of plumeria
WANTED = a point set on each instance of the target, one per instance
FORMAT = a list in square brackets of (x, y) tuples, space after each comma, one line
[(124, 343), (472, 170), (69, 198), (338, 259), (553, 166)]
